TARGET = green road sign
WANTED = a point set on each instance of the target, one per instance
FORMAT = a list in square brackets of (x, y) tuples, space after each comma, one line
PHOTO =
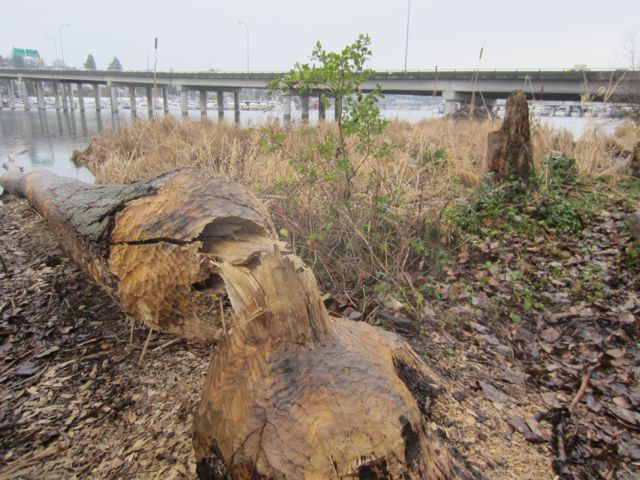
[(25, 52)]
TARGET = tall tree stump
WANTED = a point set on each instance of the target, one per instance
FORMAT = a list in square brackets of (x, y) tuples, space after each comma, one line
[(509, 152)]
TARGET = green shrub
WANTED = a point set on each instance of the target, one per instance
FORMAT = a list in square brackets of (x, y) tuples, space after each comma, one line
[(550, 199)]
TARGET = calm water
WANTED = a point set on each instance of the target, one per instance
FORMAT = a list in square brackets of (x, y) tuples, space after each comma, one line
[(50, 137)]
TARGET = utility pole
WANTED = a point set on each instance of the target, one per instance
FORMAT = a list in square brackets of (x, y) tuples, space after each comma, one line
[(155, 78), (54, 46), (406, 45), (61, 47), (247, 29)]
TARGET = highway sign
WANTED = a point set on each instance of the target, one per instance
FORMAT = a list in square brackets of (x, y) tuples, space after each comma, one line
[(25, 52)]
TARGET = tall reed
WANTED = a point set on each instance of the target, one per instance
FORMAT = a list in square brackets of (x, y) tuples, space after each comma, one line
[(385, 228)]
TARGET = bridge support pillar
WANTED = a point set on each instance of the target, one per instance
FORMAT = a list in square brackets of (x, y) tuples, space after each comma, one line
[(451, 106), (12, 95), (322, 109), (305, 107), (132, 100), (203, 103), (40, 95), (80, 97), (150, 99), (220, 104), (56, 94), (96, 95), (63, 95), (72, 102), (25, 94), (287, 109), (236, 105), (452, 101), (113, 94), (165, 100), (184, 102)]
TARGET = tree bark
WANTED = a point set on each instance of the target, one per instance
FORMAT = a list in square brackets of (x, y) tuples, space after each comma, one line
[(143, 242), (509, 152)]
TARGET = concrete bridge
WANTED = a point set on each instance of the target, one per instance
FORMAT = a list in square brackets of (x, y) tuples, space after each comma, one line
[(456, 87)]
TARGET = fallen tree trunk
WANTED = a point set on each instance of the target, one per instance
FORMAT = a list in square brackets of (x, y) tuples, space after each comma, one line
[(142, 242), (291, 392)]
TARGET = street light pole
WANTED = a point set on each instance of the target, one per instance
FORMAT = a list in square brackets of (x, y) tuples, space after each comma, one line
[(406, 45), (247, 29), (55, 46), (61, 47)]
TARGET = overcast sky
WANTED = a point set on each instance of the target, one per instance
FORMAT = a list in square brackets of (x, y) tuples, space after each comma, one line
[(197, 35)]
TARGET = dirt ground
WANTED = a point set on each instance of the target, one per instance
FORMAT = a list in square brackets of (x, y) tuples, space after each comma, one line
[(75, 402)]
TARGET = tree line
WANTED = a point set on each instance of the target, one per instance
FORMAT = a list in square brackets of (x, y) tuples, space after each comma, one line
[(22, 62)]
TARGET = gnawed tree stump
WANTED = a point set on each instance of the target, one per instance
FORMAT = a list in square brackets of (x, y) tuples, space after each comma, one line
[(293, 393), (509, 152), (142, 242)]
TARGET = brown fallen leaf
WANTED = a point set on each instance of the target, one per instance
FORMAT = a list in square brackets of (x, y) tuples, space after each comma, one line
[(492, 393), (616, 352), (26, 369), (523, 427), (48, 351), (550, 335), (463, 256), (627, 416), (550, 399), (515, 377)]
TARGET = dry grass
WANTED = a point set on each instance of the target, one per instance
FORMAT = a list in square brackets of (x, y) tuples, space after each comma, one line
[(385, 228)]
